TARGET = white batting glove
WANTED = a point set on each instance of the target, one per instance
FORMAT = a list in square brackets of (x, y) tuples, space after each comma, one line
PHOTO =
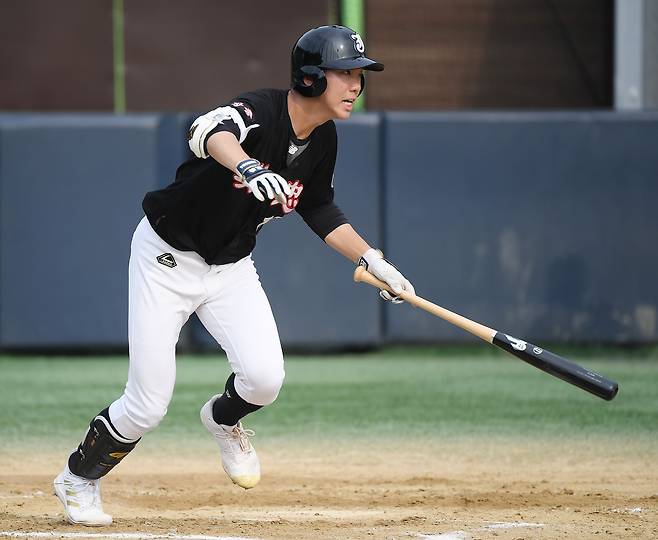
[(263, 182), (373, 261)]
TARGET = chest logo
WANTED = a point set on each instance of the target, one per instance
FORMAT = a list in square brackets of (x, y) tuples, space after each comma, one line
[(292, 200), (296, 187), (292, 149), (166, 259)]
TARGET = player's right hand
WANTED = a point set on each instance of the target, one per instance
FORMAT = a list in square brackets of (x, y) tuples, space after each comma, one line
[(373, 261), (263, 182)]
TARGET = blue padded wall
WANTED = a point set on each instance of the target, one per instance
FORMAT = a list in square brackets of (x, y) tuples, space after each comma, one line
[(310, 287), (70, 196), (543, 225)]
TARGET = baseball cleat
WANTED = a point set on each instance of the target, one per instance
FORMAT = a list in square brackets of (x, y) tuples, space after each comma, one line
[(81, 498), (239, 458)]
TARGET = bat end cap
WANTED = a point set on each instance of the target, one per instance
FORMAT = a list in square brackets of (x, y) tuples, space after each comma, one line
[(358, 273), (613, 393)]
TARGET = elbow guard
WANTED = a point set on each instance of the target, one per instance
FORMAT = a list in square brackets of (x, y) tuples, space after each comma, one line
[(224, 118)]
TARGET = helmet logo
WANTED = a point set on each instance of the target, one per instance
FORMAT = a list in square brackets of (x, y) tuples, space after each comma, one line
[(358, 43)]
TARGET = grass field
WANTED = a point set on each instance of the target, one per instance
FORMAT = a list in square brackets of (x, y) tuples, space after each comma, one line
[(459, 443), (429, 392)]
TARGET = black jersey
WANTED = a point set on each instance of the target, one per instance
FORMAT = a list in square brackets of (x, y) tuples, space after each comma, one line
[(208, 210)]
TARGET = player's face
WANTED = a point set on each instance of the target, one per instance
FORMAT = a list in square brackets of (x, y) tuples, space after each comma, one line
[(343, 87)]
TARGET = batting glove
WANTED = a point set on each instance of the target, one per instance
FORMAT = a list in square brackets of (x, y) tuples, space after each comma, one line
[(373, 261), (263, 182)]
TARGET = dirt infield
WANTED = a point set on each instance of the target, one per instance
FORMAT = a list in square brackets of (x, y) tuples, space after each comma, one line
[(362, 489)]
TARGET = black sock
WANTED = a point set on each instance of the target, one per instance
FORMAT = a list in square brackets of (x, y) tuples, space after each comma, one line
[(229, 408)]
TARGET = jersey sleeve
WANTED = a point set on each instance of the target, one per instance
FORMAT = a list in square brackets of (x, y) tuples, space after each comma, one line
[(242, 117), (317, 206)]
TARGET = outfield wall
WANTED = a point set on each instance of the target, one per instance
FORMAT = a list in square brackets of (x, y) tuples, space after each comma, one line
[(543, 225)]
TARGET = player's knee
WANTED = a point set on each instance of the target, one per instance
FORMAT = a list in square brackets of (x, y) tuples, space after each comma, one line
[(136, 413), (263, 387), (147, 418), (267, 391)]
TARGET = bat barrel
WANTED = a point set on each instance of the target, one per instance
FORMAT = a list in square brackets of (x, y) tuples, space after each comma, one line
[(557, 366), (533, 355)]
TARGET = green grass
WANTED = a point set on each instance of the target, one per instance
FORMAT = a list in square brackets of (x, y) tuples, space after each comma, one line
[(400, 392)]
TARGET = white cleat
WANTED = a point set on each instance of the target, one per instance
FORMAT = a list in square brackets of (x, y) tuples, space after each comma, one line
[(239, 458), (81, 498)]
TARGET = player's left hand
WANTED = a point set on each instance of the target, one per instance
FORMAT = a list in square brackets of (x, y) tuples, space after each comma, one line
[(374, 262)]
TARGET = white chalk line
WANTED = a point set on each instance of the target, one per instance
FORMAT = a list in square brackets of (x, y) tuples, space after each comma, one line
[(31, 496), (510, 525), (636, 510), (464, 535), (117, 536), (454, 535)]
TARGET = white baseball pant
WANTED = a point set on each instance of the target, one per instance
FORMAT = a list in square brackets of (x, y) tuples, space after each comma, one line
[(230, 302)]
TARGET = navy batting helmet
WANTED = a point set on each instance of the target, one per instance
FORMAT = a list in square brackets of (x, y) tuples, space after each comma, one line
[(327, 47)]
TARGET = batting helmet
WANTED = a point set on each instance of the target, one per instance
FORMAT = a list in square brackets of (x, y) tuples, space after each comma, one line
[(327, 47)]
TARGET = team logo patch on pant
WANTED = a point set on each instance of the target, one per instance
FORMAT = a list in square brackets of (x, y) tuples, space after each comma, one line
[(167, 259)]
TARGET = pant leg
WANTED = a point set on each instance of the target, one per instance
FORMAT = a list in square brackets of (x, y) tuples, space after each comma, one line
[(238, 315), (161, 298)]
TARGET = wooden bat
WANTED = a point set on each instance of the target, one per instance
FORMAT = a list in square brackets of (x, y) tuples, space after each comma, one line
[(540, 358)]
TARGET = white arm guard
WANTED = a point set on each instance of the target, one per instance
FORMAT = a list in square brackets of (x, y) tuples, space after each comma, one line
[(203, 125)]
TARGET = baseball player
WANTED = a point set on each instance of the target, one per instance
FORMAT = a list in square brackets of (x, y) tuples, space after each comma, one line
[(256, 158)]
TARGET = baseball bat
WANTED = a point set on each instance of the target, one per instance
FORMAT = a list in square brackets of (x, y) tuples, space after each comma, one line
[(540, 358)]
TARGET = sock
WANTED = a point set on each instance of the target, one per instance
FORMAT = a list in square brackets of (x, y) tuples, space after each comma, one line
[(229, 408)]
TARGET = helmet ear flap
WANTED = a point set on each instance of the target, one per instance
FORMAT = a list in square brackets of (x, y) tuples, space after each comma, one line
[(317, 75), (363, 84)]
